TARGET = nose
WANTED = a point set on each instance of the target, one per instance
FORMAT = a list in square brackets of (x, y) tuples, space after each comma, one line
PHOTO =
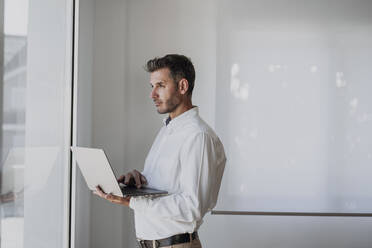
[(153, 93)]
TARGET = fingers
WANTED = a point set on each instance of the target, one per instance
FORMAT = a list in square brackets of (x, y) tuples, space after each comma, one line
[(102, 194), (134, 177), (99, 192), (99, 189), (118, 200), (143, 179), (112, 198), (140, 179), (127, 178), (121, 179), (137, 178)]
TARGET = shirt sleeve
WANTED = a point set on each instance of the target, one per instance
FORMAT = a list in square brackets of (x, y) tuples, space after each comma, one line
[(199, 159)]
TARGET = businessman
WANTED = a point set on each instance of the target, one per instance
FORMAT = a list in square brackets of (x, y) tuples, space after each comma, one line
[(187, 159)]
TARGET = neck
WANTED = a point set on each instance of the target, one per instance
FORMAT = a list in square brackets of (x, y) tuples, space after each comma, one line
[(183, 107)]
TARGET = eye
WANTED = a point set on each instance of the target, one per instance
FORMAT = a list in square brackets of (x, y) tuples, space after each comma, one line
[(160, 85)]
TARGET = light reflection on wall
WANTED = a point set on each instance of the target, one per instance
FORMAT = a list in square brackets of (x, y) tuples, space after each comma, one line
[(239, 90)]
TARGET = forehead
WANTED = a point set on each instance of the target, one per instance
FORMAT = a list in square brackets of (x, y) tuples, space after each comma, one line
[(161, 75)]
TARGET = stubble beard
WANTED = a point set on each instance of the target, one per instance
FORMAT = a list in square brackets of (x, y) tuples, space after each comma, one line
[(170, 105)]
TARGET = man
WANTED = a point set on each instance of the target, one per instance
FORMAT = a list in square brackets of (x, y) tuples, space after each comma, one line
[(187, 159)]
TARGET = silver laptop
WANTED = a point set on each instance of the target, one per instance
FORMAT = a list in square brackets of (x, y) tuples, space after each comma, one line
[(96, 170)]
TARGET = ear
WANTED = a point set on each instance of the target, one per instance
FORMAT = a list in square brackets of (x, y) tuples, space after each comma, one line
[(183, 86)]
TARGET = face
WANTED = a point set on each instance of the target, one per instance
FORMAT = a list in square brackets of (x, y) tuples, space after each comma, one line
[(164, 91)]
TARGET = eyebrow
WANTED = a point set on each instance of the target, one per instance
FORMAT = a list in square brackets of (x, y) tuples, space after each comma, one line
[(159, 82)]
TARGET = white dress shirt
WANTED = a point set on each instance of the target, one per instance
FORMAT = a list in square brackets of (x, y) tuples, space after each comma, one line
[(187, 159)]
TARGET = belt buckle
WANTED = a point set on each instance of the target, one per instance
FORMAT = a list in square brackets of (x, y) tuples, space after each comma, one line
[(157, 244), (141, 243)]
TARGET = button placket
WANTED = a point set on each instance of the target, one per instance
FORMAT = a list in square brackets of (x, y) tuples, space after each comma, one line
[(160, 146)]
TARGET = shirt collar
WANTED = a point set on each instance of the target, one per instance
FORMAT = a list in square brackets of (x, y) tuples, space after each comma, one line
[(194, 111)]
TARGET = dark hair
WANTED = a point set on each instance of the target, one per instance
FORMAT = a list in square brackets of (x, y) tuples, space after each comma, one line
[(179, 66)]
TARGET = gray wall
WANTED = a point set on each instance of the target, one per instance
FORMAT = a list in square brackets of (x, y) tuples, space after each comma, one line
[(108, 221), (84, 118)]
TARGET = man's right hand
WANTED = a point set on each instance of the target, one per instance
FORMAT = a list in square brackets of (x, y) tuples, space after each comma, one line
[(133, 178)]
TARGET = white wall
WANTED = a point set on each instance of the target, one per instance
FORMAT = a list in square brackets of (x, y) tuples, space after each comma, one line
[(126, 35), (295, 114)]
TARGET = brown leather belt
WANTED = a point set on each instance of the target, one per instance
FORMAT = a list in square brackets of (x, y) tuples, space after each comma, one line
[(173, 240)]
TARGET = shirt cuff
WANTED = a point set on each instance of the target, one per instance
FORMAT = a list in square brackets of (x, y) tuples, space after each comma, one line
[(137, 203), (131, 202)]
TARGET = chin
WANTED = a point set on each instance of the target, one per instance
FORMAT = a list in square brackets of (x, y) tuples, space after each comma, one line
[(162, 111)]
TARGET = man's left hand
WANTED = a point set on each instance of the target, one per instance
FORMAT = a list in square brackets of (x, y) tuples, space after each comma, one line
[(112, 198)]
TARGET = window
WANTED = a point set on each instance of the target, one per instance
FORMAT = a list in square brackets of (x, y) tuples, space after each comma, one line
[(35, 117)]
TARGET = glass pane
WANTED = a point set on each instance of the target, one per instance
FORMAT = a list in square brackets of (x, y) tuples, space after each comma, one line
[(34, 135)]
